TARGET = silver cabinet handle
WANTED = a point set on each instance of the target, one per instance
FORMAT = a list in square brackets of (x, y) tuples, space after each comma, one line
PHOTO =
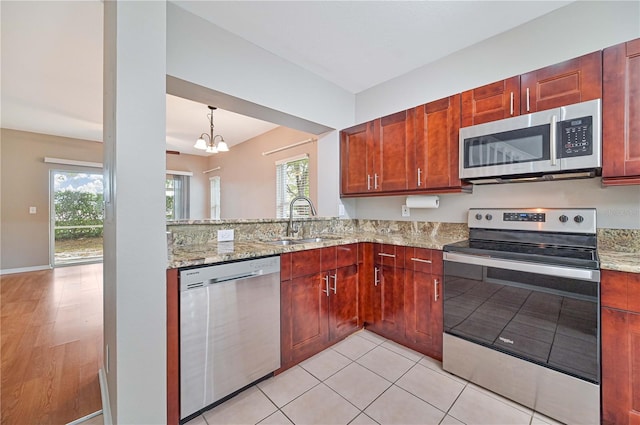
[(511, 103), (368, 181), (335, 283), (528, 107), (326, 285), (382, 254), (436, 282), (375, 278), (420, 260), (375, 180), (552, 141), (419, 177)]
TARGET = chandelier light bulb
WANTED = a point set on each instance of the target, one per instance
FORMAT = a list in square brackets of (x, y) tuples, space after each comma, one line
[(200, 144)]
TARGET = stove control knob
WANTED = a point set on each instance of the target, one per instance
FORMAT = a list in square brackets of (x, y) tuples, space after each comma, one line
[(578, 219), (478, 216), (488, 217), (563, 218)]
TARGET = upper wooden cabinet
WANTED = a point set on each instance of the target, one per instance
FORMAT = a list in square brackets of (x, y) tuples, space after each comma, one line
[(373, 155), (391, 136), (621, 114), (433, 155), (492, 102), (406, 152), (356, 158), (572, 81)]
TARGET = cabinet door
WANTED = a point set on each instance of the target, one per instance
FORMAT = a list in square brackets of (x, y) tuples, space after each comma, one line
[(423, 312), (388, 300), (491, 102), (356, 159), (621, 114), (620, 367), (572, 81), (343, 302), (392, 134), (434, 154), (309, 315)]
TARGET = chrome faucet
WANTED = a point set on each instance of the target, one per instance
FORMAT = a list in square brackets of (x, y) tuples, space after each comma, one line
[(292, 228)]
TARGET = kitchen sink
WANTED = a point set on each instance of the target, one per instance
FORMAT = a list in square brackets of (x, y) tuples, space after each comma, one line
[(283, 242)]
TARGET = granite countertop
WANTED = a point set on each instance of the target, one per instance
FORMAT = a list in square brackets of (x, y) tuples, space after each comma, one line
[(619, 261), (193, 255), (211, 253)]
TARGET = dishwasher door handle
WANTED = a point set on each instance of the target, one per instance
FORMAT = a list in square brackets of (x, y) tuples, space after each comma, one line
[(235, 277)]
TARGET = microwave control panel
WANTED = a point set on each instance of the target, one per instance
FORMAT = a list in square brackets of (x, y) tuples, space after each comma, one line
[(575, 137)]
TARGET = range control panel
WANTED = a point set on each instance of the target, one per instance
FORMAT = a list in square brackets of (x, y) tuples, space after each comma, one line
[(568, 220)]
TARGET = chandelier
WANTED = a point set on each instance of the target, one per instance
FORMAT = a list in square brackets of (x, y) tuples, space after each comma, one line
[(208, 142)]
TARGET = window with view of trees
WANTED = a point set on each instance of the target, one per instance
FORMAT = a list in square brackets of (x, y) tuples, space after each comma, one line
[(292, 179), (177, 194)]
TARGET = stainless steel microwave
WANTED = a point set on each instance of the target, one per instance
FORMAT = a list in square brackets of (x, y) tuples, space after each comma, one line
[(558, 143)]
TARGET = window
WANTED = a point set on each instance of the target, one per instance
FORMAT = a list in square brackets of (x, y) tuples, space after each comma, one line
[(177, 192), (292, 179)]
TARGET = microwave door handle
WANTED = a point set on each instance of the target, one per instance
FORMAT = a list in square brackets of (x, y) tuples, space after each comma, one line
[(552, 141)]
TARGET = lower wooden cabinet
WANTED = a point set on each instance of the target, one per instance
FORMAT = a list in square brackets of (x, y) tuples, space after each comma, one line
[(423, 313), (386, 291), (620, 321), (402, 297), (320, 307)]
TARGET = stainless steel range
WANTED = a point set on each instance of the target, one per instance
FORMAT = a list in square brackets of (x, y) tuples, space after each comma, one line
[(521, 309)]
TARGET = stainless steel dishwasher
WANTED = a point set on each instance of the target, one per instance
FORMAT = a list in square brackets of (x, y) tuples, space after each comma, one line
[(229, 329)]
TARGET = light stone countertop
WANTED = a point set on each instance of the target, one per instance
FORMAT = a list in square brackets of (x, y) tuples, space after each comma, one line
[(194, 255), (212, 253)]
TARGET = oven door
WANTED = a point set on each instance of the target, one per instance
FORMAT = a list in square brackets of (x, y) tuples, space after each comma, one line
[(544, 314)]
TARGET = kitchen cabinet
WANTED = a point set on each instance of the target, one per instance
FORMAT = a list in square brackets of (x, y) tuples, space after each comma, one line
[(621, 114), (356, 159), (386, 292), (620, 320), (491, 102), (373, 155), (319, 300), (572, 81), (433, 153), (423, 314)]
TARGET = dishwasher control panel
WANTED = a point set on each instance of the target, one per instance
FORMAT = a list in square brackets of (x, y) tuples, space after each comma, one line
[(217, 273)]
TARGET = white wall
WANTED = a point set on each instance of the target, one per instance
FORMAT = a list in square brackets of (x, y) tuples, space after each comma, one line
[(135, 252), (204, 54), (547, 40)]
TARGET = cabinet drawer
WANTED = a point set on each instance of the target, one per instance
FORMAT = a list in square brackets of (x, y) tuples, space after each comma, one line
[(347, 255), (389, 255), (620, 290), (305, 262), (424, 260)]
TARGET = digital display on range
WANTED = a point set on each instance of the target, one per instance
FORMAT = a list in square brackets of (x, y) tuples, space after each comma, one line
[(534, 217)]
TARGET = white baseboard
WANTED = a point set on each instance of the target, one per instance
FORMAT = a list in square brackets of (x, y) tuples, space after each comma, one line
[(25, 269), (104, 392)]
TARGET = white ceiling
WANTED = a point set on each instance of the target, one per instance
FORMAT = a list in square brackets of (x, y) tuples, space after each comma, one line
[(52, 53)]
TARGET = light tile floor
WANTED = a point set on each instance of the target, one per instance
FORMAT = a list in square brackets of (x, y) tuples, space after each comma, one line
[(367, 379)]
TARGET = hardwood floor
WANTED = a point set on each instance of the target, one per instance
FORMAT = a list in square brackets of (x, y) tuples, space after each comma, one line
[(51, 345)]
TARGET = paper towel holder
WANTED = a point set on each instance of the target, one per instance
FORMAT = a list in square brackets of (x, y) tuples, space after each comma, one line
[(423, 201)]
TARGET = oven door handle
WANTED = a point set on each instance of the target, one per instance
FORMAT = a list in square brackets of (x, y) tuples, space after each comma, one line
[(551, 270)]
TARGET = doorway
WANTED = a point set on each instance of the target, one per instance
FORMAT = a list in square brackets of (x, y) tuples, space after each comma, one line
[(77, 215)]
